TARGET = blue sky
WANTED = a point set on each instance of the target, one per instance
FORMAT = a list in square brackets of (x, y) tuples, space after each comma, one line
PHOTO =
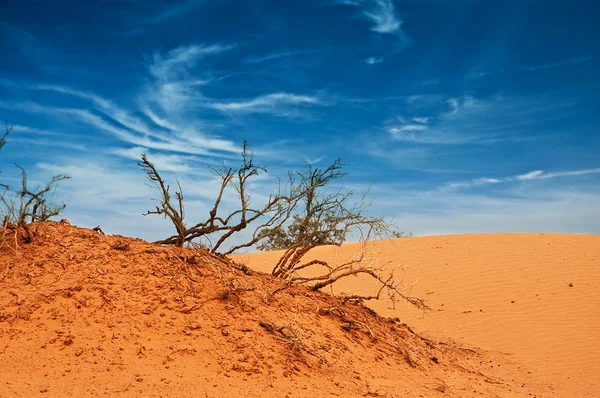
[(464, 115)]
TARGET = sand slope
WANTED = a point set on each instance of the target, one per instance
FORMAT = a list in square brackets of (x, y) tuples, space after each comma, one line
[(535, 297), (82, 314)]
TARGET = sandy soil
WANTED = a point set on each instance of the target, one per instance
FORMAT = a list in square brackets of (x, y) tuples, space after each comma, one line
[(530, 298), (83, 314)]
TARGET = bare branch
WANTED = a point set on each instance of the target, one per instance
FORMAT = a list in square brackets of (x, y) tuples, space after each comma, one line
[(3, 139), (33, 204), (327, 218), (272, 214), (27, 205), (175, 214)]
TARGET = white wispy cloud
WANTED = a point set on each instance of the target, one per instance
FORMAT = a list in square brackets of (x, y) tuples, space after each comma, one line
[(539, 174), (172, 90), (282, 104), (175, 83), (424, 134), (165, 115), (105, 106), (195, 144), (466, 119), (532, 175), (453, 102), (101, 102), (139, 23), (314, 160), (411, 133), (172, 99), (405, 128), (473, 183), (374, 60), (268, 57), (171, 65), (383, 15), (175, 9), (165, 123)]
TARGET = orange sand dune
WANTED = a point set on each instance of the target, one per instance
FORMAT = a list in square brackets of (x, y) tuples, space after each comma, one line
[(535, 297), (83, 314)]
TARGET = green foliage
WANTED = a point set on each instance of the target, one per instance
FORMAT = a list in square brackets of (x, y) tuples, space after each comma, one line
[(400, 234), (323, 215), (299, 230)]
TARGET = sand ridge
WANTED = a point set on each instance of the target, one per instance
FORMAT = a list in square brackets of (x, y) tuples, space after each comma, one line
[(82, 314)]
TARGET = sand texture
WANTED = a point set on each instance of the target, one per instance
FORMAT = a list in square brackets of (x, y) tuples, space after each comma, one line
[(535, 297), (83, 314)]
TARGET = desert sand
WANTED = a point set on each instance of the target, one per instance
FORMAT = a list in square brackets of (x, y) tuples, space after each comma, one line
[(534, 297), (84, 314)]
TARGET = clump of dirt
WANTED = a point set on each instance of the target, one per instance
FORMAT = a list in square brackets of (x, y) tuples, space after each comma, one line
[(85, 314)]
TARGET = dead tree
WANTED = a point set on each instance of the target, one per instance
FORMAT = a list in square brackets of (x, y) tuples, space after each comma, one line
[(323, 218), (273, 214), (26, 205), (175, 213), (327, 218), (33, 205)]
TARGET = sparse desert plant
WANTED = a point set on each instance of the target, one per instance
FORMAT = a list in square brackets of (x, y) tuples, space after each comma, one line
[(272, 214), (322, 217), (24, 205), (326, 217)]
